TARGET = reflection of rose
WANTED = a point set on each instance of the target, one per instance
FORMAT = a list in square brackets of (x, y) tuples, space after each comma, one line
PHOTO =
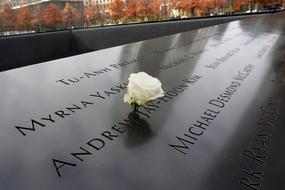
[(142, 88)]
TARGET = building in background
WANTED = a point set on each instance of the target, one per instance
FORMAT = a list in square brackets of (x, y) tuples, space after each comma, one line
[(102, 5)]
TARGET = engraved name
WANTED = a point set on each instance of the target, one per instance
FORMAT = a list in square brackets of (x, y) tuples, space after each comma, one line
[(51, 119), (223, 59), (256, 156), (196, 130), (91, 74)]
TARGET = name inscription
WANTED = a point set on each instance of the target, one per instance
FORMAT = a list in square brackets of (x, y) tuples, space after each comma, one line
[(51, 119), (223, 59), (262, 51), (256, 156), (196, 130), (92, 74)]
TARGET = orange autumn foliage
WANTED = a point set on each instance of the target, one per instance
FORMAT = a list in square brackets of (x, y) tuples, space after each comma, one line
[(7, 17), (52, 15), (70, 15), (131, 11), (36, 17), (23, 18), (117, 8), (239, 3), (90, 14), (148, 8)]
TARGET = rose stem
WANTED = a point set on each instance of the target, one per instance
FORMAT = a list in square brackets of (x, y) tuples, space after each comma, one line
[(135, 109)]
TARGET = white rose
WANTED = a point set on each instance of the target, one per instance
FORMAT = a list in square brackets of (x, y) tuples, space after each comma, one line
[(142, 88)]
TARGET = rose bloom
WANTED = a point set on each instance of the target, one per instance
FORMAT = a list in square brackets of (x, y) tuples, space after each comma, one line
[(142, 88)]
